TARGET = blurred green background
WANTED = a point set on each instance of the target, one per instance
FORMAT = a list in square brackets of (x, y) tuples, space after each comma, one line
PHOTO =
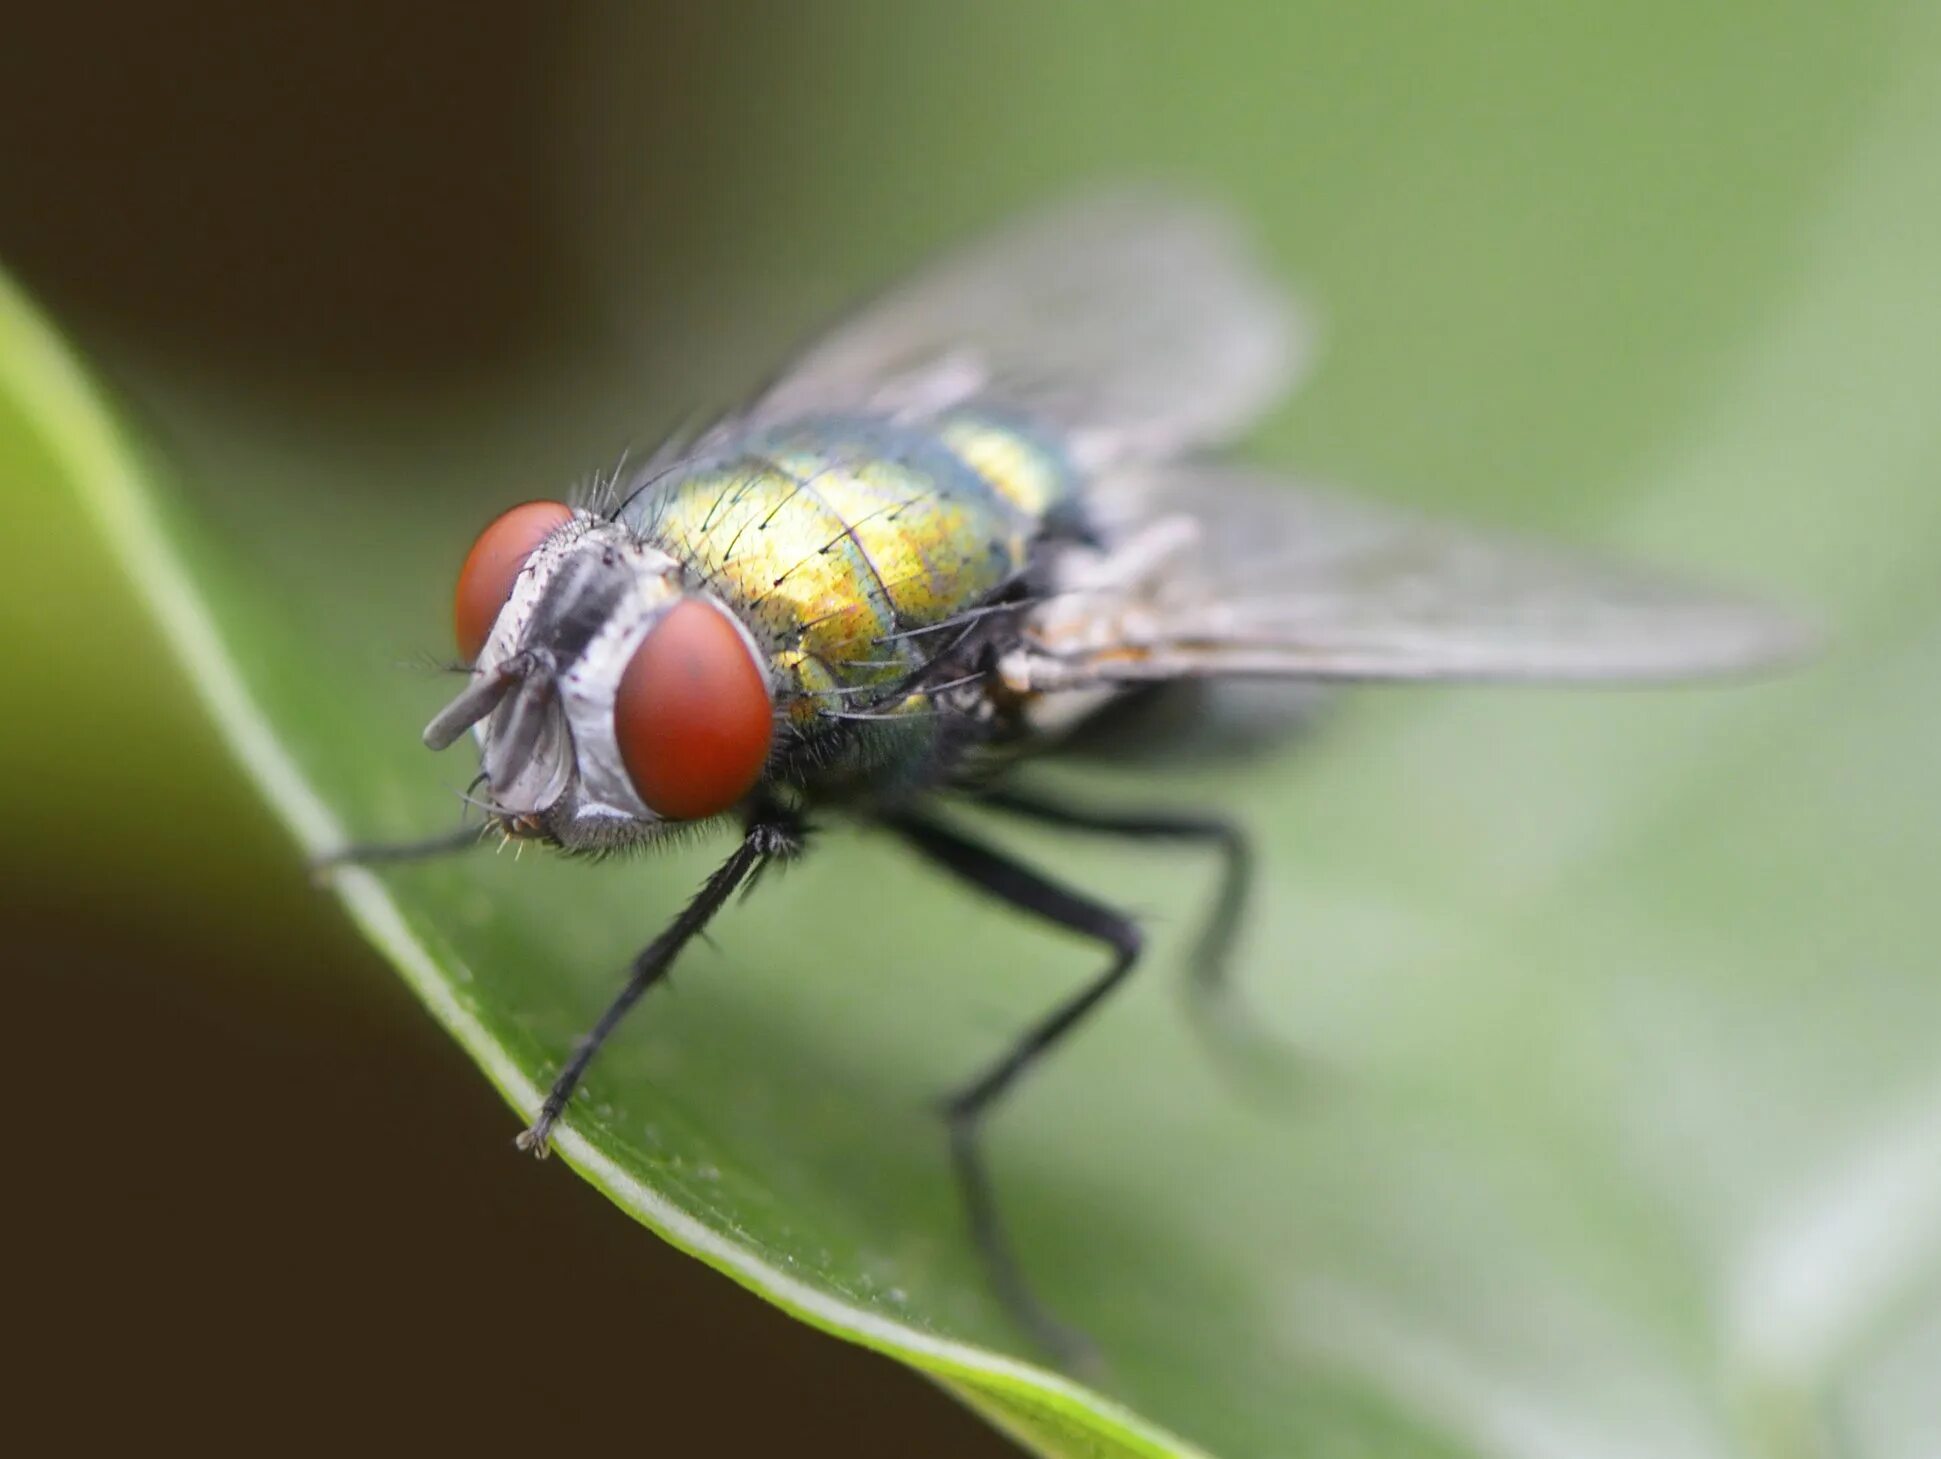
[(1626, 1135)]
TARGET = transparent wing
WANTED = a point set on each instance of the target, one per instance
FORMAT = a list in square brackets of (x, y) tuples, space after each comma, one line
[(1216, 572), (1135, 322)]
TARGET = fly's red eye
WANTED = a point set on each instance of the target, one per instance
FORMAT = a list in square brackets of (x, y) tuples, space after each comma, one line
[(492, 566), (692, 717)]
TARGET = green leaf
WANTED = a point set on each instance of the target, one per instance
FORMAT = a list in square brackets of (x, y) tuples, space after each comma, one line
[(1618, 1015)]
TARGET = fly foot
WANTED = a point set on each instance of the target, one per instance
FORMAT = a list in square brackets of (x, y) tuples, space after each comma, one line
[(1271, 1071), (538, 1140)]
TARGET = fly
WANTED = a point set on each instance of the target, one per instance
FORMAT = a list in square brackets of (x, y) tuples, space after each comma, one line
[(976, 518)]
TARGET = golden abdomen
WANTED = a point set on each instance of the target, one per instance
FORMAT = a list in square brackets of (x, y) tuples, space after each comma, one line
[(833, 539)]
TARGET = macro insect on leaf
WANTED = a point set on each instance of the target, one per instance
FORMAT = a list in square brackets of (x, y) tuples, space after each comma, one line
[(971, 521)]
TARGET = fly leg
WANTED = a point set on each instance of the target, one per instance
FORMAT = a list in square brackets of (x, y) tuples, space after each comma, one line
[(764, 840), (1262, 1065), (1213, 949), (381, 853), (966, 1109)]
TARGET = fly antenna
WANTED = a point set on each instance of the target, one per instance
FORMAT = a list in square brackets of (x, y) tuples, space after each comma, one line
[(479, 699)]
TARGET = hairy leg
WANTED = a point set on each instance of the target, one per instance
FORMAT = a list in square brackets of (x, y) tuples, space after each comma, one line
[(1212, 951), (1019, 886), (386, 853), (762, 841)]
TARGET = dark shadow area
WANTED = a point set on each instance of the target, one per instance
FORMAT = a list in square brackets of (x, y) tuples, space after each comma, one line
[(268, 1201)]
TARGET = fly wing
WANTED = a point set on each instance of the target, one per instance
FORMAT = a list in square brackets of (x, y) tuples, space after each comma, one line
[(1136, 324), (1238, 574)]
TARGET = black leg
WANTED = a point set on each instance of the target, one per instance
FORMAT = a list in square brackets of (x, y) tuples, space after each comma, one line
[(1029, 891), (1213, 950), (375, 853), (1260, 1065), (761, 841)]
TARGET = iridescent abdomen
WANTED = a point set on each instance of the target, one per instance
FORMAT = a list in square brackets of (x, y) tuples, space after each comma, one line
[(833, 538)]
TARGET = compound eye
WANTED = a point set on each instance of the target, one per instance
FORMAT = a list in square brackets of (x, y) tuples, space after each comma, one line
[(692, 715), (492, 567)]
